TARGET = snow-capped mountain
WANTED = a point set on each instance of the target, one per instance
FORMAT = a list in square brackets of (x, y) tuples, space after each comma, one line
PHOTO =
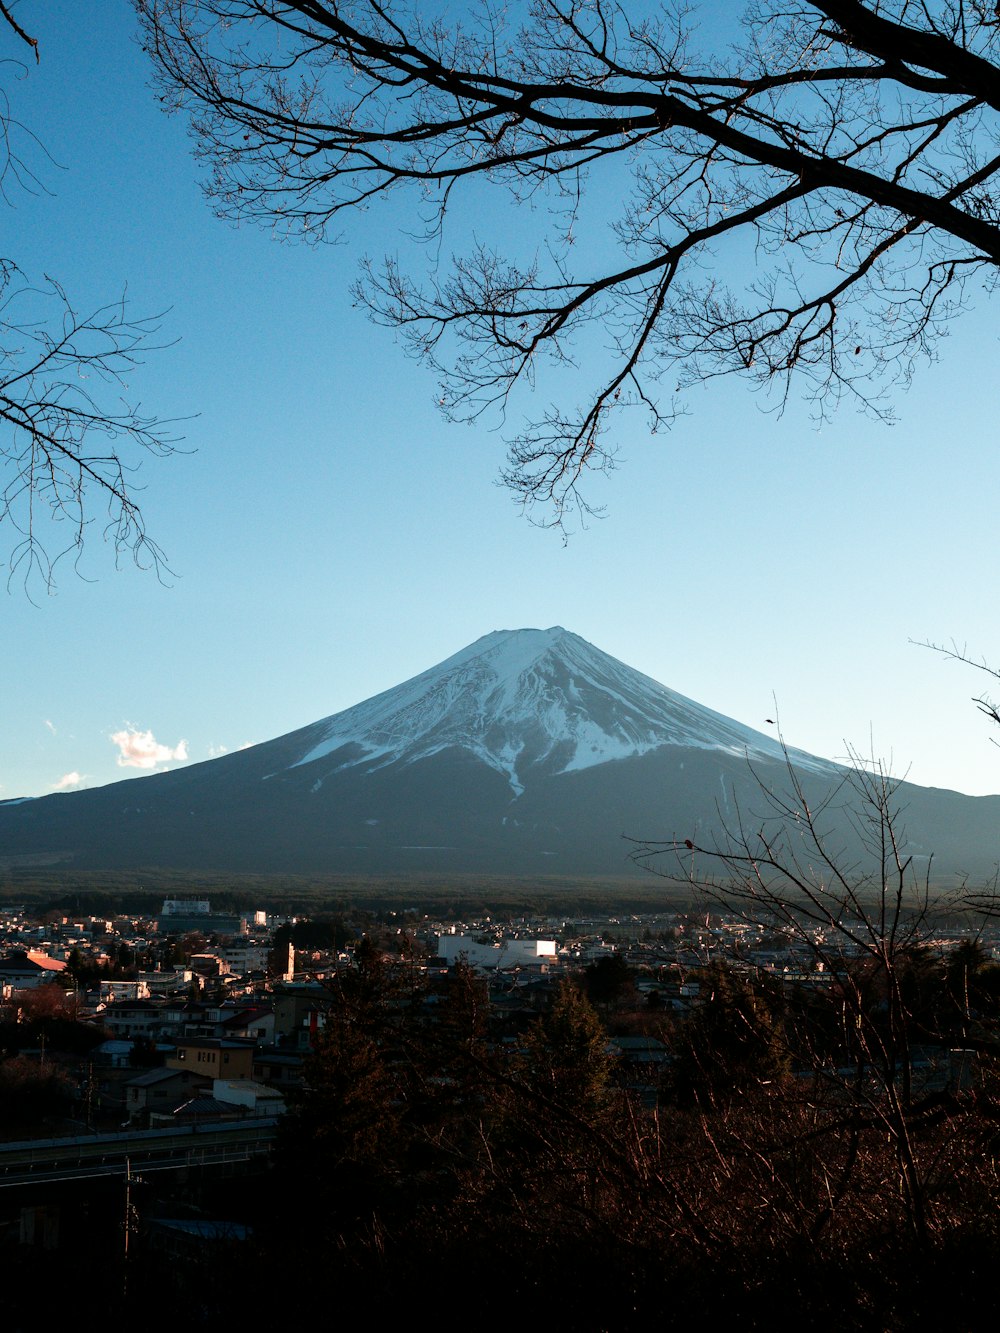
[(531, 701), (528, 753)]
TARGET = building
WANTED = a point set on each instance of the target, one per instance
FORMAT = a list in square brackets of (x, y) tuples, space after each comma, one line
[(184, 916), (214, 1057), (508, 953)]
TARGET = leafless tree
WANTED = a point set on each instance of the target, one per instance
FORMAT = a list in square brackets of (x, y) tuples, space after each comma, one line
[(69, 442), (855, 909), (985, 900), (843, 155), (985, 702)]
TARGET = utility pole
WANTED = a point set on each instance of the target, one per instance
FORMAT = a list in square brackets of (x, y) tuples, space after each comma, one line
[(128, 1225)]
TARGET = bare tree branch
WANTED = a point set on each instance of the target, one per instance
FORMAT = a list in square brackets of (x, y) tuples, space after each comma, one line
[(70, 442), (853, 145), (861, 912)]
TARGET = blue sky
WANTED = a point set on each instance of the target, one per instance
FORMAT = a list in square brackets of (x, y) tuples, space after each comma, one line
[(331, 535)]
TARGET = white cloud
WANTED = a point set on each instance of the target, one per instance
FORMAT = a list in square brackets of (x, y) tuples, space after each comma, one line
[(51, 726), (216, 751), (68, 780), (141, 749)]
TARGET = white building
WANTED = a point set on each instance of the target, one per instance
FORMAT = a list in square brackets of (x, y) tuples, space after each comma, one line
[(509, 953)]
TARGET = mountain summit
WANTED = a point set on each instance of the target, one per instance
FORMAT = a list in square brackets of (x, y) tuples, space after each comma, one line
[(529, 703), (529, 752)]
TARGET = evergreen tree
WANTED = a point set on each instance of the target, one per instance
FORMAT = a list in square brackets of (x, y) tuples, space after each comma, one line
[(341, 1135), (732, 1044), (608, 979), (568, 1058)]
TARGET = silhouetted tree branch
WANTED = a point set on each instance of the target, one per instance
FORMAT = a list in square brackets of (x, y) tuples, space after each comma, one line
[(985, 701), (69, 441), (843, 156), (857, 912)]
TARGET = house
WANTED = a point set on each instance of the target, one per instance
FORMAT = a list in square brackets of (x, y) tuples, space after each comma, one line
[(283, 1068), (256, 1023), (299, 1012), (214, 1057), (132, 1018), (253, 1098), (160, 1090), (26, 968), (115, 1053)]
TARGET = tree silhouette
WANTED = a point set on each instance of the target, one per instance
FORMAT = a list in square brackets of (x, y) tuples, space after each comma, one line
[(69, 439), (733, 1043), (839, 159), (607, 979), (568, 1060)]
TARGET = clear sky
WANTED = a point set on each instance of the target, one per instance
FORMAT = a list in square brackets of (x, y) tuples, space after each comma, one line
[(331, 535)]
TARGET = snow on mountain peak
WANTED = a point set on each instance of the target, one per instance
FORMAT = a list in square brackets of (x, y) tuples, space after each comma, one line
[(529, 700)]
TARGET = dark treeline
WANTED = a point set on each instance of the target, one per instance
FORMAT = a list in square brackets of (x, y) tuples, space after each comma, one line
[(135, 892)]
